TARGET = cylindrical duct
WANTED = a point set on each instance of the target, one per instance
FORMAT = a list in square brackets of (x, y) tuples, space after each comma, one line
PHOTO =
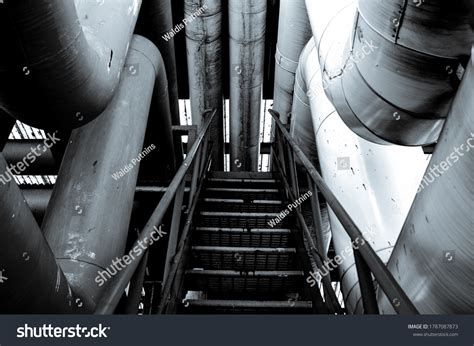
[(294, 31), (156, 24), (301, 128), (30, 279), (376, 184), (432, 259), (386, 78), (88, 217), (63, 58), (204, 52), (247, 24)]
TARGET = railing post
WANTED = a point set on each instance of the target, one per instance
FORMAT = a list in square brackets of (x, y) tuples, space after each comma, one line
[(293, 174), (317, 218), (135, 290), (174, 231), (367, 290)]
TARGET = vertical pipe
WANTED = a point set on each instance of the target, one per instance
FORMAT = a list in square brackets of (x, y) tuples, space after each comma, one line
[(247, 24), (30, 279), (156, 24), (88, 217), (204, 56), (174, 231), (436, 240), (294, 31)]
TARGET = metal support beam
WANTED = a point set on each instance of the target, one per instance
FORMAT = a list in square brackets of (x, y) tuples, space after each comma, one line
[(82, 238), (30, 279)]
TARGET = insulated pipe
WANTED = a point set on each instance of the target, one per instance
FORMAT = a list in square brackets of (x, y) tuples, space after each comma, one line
[(432, 259), (294, 31), (301, 126), (88, 216), (30, 279), (375, 183), (63, 58), (247, 24), (156, 22), (387, 79), (204, 53)]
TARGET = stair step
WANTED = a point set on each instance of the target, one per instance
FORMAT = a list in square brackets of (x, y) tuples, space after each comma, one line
[(249, 304), (241, 201), (243, 193), (235, 205), (242, 180), (233, 281), (241, 190), (242, 220), (257, 237), (245, 230), (243, 258), (243, 175), (244, 250), (245, 274)]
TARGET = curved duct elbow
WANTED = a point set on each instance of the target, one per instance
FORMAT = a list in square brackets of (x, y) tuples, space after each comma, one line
[(390, 68), (371, 181), (62, 59)]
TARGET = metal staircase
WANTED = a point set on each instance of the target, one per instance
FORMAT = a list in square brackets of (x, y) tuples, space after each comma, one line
[(224, 256), (238, 262)]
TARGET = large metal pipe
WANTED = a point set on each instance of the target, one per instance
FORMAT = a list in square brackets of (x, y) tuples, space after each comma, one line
[(156, 24), (432, 259), (88, 217), (63, 58), (27, 263), (376, 184), (301, 126), (294, 31), (204, 53), (393, 76), (247, 25)]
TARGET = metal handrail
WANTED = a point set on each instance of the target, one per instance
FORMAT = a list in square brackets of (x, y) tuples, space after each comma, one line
[(115, 289), (397, 297)]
